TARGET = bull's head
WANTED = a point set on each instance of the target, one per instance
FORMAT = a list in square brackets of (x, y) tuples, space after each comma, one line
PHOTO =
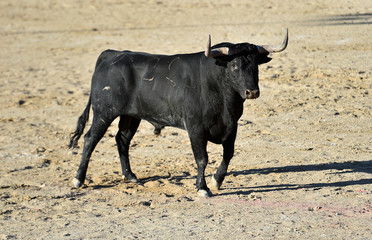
[(241, 63)]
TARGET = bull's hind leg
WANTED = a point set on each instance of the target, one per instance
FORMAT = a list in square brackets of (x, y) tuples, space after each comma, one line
[(127, 128), (228, 153), (91, 138)]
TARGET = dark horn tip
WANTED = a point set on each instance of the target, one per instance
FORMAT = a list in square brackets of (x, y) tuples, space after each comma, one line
[(286, 38)]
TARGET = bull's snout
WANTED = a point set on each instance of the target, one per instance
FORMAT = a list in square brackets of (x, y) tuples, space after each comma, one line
[(252, 94)]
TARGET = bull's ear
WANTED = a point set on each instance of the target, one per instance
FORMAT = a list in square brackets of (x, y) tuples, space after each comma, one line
[(263, 58)]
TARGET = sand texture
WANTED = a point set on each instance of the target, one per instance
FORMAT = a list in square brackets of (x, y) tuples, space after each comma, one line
[(303, 162)]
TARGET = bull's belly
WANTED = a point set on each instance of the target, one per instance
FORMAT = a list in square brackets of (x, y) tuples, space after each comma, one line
[(158, 113)]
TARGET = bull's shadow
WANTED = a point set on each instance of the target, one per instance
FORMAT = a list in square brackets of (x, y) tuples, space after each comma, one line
[(346, 167), (173, 178)]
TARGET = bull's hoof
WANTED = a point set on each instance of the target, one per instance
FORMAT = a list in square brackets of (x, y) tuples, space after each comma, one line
[(216, 184), (157, 131), (131, 180), (77, 183), (204, 193)]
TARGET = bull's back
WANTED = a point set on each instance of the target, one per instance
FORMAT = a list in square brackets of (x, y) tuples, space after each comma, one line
[(157, 88)]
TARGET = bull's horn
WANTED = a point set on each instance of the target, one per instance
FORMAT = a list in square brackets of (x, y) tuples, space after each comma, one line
[(273, 48), (216, 51), (208, 50)]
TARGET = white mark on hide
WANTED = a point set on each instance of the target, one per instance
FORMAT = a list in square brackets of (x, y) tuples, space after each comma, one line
[(184, 125), (107, 88), (149, 79), (171, 81), (118, 57), (170, 64)]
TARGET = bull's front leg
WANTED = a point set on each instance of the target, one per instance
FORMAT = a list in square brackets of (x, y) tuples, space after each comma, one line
[(228, 153), (199, 148)]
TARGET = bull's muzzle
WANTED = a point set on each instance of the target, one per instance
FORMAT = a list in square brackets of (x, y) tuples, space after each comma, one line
[(251, 94)]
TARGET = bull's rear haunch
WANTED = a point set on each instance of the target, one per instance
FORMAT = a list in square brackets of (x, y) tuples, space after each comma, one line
[(201, 92)]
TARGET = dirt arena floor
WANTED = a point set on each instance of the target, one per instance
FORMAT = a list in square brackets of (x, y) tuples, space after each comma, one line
[(303, 162)]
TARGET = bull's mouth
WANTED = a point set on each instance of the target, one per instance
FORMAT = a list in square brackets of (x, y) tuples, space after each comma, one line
[(251, 94)]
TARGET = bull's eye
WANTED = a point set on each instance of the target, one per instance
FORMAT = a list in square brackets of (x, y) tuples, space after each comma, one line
[(234, 67)]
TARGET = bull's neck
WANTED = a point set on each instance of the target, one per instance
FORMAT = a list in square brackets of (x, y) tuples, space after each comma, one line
[(218, 93)]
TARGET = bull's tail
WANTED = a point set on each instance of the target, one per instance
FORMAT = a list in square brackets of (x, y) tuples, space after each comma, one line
[(80, 126)]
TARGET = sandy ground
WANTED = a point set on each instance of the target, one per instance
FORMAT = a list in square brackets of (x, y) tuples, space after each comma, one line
[(303, 162)]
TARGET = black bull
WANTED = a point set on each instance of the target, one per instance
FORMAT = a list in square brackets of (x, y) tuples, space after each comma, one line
[(202, 93)]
